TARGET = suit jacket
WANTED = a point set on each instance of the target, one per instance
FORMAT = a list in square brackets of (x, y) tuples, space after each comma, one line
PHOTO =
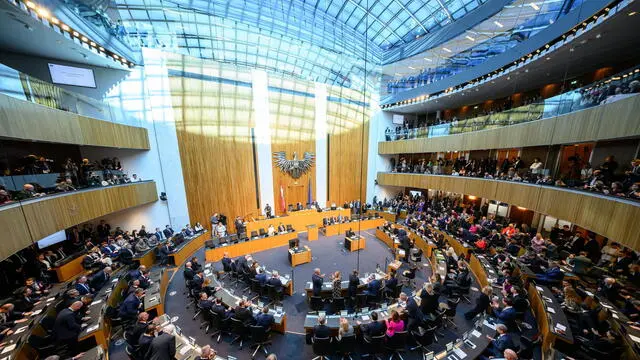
[(317, 281), (138, 329), (197, 281), (66, 326), (503, 342), (265, 320), (275, 283), (99, 280), (144, 342), (412, 310), (243, 314), (429, 303), (167, 233), (321, 331), (164, 250), (375, 328), (162, 347), (83, 289), (135, 274), (373, 287), (262, 278), (189, 274), (205, 304), (507, 316), (482, 303), (129, 307), (226, 264)]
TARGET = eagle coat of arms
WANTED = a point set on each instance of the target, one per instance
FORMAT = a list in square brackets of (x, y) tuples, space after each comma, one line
[(295, 167)]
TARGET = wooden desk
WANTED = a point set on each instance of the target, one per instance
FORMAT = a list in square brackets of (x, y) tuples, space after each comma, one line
[(147, 259), (312, 232), (360, 225), (355, 244), (249, 247), (185, 251), (386, 238), (69, 270), (298, 258), (547, 320), (394, 265), (389, 216), (298, 220)]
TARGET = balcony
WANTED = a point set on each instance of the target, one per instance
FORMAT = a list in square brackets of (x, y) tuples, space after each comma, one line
[(615, 218), (27, 221)]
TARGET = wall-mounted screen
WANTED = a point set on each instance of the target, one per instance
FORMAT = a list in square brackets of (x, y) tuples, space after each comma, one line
[(52, 239), (71, 75), (398, 119)]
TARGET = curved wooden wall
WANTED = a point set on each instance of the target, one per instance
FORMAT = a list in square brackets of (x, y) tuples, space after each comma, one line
[(30, 221), (614, 218), (610, 121), (25, 120)]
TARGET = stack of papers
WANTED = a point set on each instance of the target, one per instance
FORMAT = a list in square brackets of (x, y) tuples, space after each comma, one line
[(489, 325), (549, 309), (560, 327), (476, 333), (461, 354)]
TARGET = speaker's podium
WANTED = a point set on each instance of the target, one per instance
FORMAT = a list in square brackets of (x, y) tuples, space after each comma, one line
[(299, 256), (354, 243)]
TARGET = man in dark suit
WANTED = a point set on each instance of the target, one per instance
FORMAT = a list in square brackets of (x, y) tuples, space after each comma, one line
[(261, 276), (164, 251), (373, 286), (163, 346), (82, 286), (282, 228), (204, 303), (506, 315), (241, 263), (242, 312), (188, 272), (168, 232), (219, 309), (101, 278), (145, 281), (375, 328), (137, 273), (138, 329), (27, 301), (416, 317), (482, 303), (354, 282), (160, 235), (144, 341), (275, 282), (67, 326), (391, 283), (321, 330), (499, 344), (316, 280), (552, 275), (129, 307), (198, 279), (265, 319), (226, 262)]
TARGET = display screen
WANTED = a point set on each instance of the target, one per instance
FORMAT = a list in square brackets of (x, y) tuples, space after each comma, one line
[(398, 119), (52, 239), (70, 75)]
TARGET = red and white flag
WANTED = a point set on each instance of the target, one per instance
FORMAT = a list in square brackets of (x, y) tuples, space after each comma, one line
[(282, 202)]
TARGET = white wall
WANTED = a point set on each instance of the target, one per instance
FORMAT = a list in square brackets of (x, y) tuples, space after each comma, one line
[(375, 163), (260, 91)]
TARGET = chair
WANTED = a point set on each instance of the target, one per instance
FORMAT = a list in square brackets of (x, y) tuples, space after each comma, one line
[(233, 238), (260, 338), (290, 208), (375, 346), (397, 344), (219, 325), (317, 303), (361, 301), (244, 237), (289, 228), (256, 288), (47, 323), (245, 276), (437, 322), (227, 270), (321, 347), (463, 291), (254, 234), (337, 305), (274, 295), (44, 345), (450, 313), (239, 329), (423, 340), (209, 244), (410, 276), (347, 346)]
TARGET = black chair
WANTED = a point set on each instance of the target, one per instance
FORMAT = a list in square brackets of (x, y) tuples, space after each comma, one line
[(47, 323), (244, 237), (44, 345), (317, 303), (347, 346), (257, 289), (397, 344), (289, 228), (450, 313), (254, 234), (240, 330), (262, 233), (423, 340), (260, 338), (209, 244), (233, 238), (219, 325), (437, 322), (227, 270), (410, 276), (274, 295), (321, 347), (361, 301), (375, 346), (245, 276), (290, 208), (463, 291), (337, 304)]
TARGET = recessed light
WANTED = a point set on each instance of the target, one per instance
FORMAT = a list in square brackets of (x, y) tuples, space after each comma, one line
[(428, 59), (65, 27), (632, 13), (31, 5), (75, 33), (445, 49), (498, 24), (598, 36), (534, 6), (470, 38), (55, 21)]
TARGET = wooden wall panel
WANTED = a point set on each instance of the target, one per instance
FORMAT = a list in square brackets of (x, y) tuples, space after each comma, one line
[(46, 216), (15, 233), (610, 121), (295, 190), (28, 121), (615, 218), (348, 165)]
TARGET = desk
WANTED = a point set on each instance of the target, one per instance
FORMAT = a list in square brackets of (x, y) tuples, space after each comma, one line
[(187, 248), (312, 232), (355, 243), (327, 286), (387, 215), (394, 265), (299, 257), (542, 300), (154, 294), (388, 239), (357, 225), (70, 269), (249, 247), (146, 258), (298, 220)]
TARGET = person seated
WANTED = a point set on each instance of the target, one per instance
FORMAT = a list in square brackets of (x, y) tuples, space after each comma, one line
[(275, 282), (282, 229), (198, 279), (321, 330), (129, 308), (26, 301), (373, 286), (374, 328), (271, 230), (482, 303), (204, 303), (390, 283), (243, 313), (101, 278), (502, 342), (133, 286), (219, 308), (141, 245), (261, 276), (552, 275), (461, 279), (138, 329), (265, 319), (137, 273), (581, 263), (108, 250), (610, 289), (394, 324), (82, 286)]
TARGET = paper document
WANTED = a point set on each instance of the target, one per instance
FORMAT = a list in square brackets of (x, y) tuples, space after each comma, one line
[(634, 338), (8, 349), (365, 318), (488, 324), (92, 328), (185, 350), (549, 309), (539, 288), (22, 329), (461, 354), (96, 302), (206, 266), (476, 333), (561, 327), (36, 312)]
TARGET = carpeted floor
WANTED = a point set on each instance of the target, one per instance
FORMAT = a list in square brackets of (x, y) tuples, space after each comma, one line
[(328, 255)]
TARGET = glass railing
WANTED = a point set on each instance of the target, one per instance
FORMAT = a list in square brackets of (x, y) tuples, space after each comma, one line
[(24, 87), (614, 88)]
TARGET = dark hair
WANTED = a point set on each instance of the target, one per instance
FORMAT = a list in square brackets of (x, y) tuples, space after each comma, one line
[(374, 316), (395, 316)]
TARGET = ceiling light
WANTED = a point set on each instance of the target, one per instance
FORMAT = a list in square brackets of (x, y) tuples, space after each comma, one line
[(534, 6), (65, 27), (632, 13), (428, 59), (84, 38), (546, 46), (93, 44), (470, 38), (498, 24), (550, 21), (412, 68), (445, 49), (75, 33), (115, 56), (598, 36), (31, 5), (43, 12), (101, 48), (55, 21)]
